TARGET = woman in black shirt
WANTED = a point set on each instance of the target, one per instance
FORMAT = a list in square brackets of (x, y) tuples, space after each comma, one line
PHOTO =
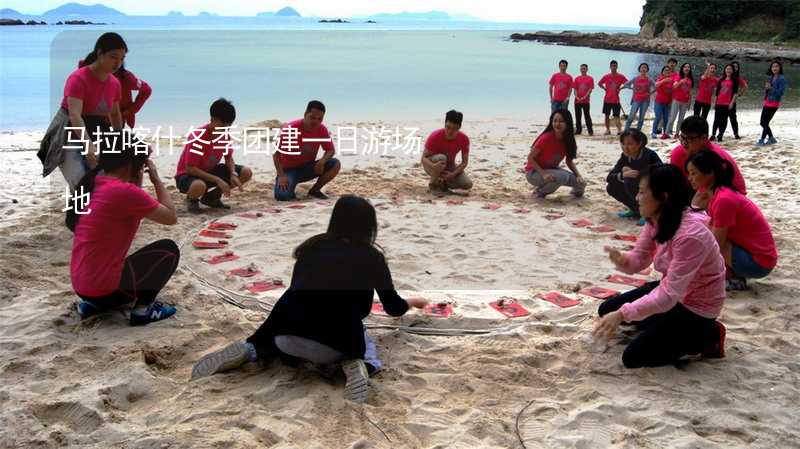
[(319, 317)]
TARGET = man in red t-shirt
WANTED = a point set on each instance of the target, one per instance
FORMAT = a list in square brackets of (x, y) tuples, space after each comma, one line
[(560, 87), (200, 175), (583, 85), (439, 157), (296, 159), (612, 83)]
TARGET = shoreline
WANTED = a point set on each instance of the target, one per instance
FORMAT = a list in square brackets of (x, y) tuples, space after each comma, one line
[(751, 51)]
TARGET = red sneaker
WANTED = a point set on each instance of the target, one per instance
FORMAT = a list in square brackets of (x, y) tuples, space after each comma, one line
[(664, 136), (717, 350)]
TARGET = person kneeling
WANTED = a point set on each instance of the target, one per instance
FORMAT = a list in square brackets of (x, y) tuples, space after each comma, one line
[(319, 317), (635, 162), (200, 175), (554, 144), (678, 315)]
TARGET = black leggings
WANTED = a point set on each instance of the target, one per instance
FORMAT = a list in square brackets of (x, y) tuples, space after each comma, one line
[(734, 120), (720, 120), (625, 192), (585, 108), (665, 337), (766, 116), (144, 274), (701, 109)]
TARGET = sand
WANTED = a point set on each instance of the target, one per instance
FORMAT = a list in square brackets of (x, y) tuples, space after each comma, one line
[(99, 383)]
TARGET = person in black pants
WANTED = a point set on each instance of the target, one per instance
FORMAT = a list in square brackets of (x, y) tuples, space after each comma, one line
[(677, 314), (583, 85), (727, 91), (732, 110), (319, 317), (774, 90), (634, 162)]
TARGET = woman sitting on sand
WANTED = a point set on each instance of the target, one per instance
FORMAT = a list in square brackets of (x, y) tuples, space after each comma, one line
[(554, 144), (104, 228), (678, 316), (319, 317), (742, 232)]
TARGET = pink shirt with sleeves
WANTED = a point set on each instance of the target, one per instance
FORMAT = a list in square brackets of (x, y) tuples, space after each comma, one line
[(692, 266), (562, 84), (98, 96)]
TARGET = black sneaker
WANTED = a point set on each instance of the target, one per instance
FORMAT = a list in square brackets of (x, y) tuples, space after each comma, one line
[(317, 194), (193, 206), (213, 199)]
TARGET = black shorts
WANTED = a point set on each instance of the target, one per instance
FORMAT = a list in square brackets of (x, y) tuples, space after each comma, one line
[(611, 108), (185, 180)]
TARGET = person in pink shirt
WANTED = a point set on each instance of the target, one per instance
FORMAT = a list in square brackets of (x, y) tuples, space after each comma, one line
[(206, 169), (612, 83), (553, 145), (439, 158), (742, 232), (643, 87), (742, 90), (583, 85), (705, 91), (560, 87), (681, 98), (727, 91), (296, 159), (104, 228), (774, 89), (693, 139), (127, 105), (663, 102), (677, 315)]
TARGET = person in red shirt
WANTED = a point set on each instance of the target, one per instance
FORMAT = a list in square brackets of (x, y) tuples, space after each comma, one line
[(681, 98), (439, 157), (583, 85), (732, 110), (127, 105), (774, 88), (727, 91), (663, 102), (553, 145), (672, 63), (296, 159), (612, 83), (643, 87), (104, 228), (560, 87), (200, 175), (705, 91), (693, 139), (743, 234)]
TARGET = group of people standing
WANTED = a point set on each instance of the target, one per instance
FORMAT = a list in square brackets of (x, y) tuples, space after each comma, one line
[(673, 89), (319, 317)]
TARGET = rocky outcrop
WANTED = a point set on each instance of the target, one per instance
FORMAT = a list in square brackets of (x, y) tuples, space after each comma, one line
[(666, 45)]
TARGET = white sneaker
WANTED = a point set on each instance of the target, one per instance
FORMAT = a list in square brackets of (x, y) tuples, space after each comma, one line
[(230, 357)]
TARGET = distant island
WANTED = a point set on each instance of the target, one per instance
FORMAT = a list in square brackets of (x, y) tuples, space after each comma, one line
[(71, 10), (333, 21), (283, 12)]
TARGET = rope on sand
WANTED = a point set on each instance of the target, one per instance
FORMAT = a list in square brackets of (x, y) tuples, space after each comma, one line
[(516, 423)]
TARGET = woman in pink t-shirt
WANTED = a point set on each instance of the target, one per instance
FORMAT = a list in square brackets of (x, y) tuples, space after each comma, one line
[(104, 219), (129, 106), (681, 98), (643, 87), (727, 90), (91, 99), (743, 234), (552, 146), (743, 86), (677, 315), (705, 91), (774, 89)]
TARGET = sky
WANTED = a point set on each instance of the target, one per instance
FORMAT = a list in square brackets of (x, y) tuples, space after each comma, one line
[(621, 13)]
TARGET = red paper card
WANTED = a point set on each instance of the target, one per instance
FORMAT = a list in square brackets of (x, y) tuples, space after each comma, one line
[(509, 308), (220, 226), (492, 206), (582, 223), (378, 308), (250, 215), (227, 257), (602, 228), (323, 203), (624, 237), (296, 206), (455, 202), (215, 234), (244, 272), (522, 210), (626, 280), (210, 245), (441, 310), (598, 292), (554, 216), (263, 286), (559, 299)]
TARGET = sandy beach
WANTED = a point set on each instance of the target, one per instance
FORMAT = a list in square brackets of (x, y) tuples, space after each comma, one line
[(99, 383)]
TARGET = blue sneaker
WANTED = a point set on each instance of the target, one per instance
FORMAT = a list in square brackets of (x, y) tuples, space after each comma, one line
[(85, 309), (760, 143), (771, 141), (626, 214), (641, 222), (156, 312)]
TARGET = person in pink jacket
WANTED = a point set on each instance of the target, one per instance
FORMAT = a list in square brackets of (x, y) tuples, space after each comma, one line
[(678, 315)]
